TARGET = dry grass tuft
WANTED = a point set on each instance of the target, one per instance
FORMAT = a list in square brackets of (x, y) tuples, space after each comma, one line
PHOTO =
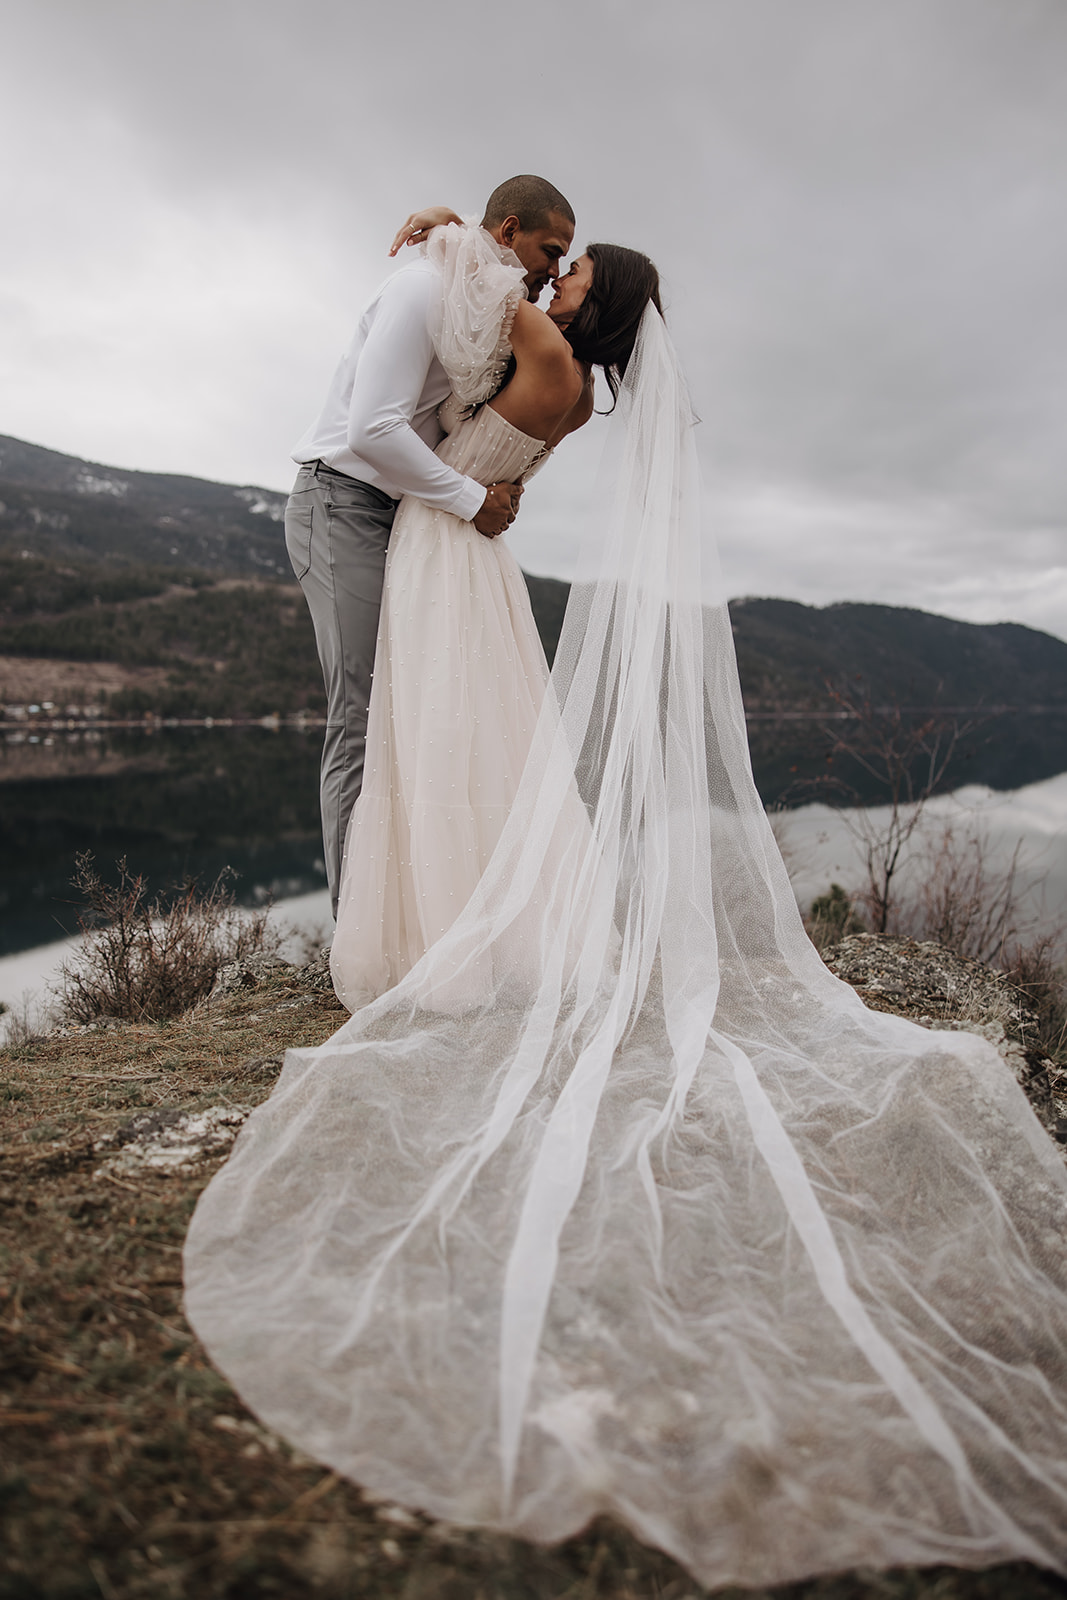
[(1036, 969), (833, 916), (28, 1019)]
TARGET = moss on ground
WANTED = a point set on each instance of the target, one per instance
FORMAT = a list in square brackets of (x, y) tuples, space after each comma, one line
[(129, 1467)]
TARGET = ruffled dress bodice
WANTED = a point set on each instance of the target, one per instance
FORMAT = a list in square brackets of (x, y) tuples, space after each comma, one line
[(486, 447)]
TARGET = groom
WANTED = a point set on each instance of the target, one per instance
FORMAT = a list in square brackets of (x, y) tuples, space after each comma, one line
[(373, 442)]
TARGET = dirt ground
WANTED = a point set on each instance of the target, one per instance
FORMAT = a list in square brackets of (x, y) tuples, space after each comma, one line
[(129, 1468)]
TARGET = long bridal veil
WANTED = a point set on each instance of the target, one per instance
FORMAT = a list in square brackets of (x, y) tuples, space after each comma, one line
[(620, 1202)]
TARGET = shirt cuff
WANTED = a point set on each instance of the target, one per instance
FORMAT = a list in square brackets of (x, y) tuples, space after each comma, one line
[(469, 501)]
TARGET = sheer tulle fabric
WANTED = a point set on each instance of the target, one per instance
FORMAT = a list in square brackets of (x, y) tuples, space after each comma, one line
[(662, 1223), (481, 286)]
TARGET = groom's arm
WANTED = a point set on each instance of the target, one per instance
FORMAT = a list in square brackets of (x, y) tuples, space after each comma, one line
[(393, 366)]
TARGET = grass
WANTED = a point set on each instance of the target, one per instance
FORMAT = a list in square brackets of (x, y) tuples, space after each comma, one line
[(130, 1469)]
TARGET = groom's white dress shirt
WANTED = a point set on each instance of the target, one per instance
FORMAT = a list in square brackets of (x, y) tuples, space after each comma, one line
[(379, 423)]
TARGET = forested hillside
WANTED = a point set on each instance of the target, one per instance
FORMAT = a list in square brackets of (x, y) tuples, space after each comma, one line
[(190, 579), (244, 647), (787, 654)]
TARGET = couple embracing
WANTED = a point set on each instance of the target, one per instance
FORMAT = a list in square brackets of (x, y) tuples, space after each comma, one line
[(453, 344), (608, 1198)]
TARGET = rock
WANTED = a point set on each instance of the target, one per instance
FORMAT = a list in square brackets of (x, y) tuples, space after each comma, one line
[(1009, 1049), (248, 973), (930, 985), (315, 974), (252, 971), (923, 980), (170, 1140)]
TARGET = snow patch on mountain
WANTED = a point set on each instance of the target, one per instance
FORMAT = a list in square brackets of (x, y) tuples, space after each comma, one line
[(260, 506), (88, 483)]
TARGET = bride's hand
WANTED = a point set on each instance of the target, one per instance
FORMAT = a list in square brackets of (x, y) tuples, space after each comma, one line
[(419, 224)]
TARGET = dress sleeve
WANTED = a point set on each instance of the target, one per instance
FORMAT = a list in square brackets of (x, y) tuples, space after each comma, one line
[(480, 286)]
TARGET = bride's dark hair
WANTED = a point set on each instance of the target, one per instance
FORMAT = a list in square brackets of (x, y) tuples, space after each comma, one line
[(605, 330)]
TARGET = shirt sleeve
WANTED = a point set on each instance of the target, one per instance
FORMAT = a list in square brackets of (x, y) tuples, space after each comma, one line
[(392, 370)]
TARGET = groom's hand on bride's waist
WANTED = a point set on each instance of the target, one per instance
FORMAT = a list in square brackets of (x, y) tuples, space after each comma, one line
[(499, 509)]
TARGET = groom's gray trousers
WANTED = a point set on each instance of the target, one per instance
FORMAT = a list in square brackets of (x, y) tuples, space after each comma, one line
[(336, 533)]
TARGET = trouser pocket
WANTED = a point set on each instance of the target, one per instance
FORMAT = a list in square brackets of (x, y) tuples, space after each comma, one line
[(298, 514)]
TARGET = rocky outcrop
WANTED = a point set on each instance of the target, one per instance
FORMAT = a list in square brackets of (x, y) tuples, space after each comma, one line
[(250, 972), (169, 1140), (930, 985)]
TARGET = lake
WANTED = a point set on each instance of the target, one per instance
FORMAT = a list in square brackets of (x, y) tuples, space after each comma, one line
[(176, 802), (191, 801)]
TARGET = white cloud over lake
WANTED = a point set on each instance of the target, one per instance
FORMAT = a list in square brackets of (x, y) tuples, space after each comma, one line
[(856, 206)]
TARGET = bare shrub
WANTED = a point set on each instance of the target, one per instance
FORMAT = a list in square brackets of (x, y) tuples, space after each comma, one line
[(952, 892), (976, 907), (306, 946), (906, 753), (148, 957), (965, 900)]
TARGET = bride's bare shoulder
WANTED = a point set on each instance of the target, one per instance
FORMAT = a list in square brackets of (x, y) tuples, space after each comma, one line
[(546, 383), (534, 333)]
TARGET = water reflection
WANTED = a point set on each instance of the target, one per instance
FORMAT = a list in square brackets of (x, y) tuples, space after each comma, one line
[(178, 802), (1002, 751), (1024, 832), (181, 801)]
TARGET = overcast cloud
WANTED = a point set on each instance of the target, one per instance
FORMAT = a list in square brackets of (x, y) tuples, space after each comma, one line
[(857, 206)]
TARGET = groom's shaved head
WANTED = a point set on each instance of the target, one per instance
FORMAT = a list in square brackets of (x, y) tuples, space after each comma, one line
[(533, 200), (529, 216)]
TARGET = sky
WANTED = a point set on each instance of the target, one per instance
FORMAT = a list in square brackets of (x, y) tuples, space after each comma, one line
[(856, 207)]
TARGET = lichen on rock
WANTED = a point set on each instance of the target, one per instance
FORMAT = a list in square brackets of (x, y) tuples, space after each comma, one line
[(170, 1140)]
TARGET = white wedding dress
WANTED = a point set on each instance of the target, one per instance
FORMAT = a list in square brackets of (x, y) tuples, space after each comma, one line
[(459, 684), (618, 1201)]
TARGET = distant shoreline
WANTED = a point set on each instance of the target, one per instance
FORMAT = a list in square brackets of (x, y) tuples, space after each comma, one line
[(149, 723), (33, 724)]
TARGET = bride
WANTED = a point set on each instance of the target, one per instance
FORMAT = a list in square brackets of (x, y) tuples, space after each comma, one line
[(612, 1199)]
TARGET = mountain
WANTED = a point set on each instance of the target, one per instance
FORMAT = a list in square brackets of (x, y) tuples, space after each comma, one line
[(793, 657), (788, 654), (62, 507)]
